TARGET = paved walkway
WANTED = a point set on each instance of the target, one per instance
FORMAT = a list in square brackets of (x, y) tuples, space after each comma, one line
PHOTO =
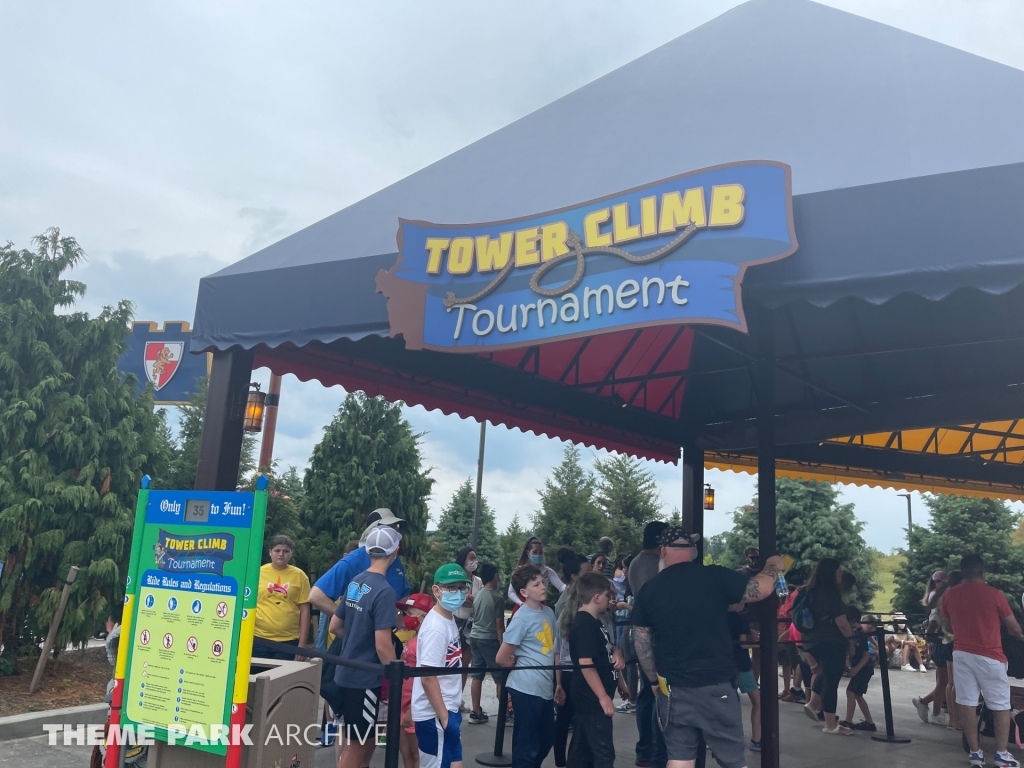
[(803, 744)]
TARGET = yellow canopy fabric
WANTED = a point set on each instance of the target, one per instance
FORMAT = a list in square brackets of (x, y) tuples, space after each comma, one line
[(997, 441)]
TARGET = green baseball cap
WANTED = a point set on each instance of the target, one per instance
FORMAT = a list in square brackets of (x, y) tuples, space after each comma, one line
[(450, 573)]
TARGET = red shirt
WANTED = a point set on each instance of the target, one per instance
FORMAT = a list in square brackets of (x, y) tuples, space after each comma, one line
[(976, 612), (409, 657)]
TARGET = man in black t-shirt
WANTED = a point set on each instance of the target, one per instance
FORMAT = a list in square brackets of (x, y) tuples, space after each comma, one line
[(592, 688), (682, 640)]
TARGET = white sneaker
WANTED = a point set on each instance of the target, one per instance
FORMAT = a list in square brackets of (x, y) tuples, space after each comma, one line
[(921, 707), (908, 668), (923, 669), (940, 719)]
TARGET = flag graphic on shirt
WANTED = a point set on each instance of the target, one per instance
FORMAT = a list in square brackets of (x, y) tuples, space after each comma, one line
[(453, 654)]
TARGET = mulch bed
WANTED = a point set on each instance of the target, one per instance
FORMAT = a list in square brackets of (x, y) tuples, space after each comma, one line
[(73, 679)]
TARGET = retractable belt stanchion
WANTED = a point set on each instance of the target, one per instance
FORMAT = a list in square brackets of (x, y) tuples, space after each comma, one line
[(393, 674), (497, 758), (883, 664)]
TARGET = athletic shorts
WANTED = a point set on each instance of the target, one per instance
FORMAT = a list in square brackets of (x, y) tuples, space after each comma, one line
[(713, 710), (745, 682), (943, 653), (359, 707), (439, 747), (787, 654), (484, 653), (981, 676), (859, 682)]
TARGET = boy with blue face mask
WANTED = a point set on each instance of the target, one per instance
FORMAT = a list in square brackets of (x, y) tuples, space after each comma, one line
[(436, 700)]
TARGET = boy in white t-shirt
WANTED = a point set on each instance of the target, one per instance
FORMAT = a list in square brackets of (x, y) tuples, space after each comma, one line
[(436, 701)]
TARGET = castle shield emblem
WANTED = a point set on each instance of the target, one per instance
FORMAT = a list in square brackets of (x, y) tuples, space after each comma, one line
[(162, 360)]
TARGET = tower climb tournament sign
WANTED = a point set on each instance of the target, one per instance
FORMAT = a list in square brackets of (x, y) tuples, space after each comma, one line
[(670, 252), (187, 628)]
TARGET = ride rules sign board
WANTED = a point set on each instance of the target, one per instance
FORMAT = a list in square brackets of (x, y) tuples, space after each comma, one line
[(188, 601)]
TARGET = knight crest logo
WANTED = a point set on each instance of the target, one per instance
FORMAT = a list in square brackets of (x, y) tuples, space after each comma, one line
[(670, 252), (162, 359)]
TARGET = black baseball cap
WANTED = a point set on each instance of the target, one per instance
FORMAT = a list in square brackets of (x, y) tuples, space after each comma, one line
[(677, 536)]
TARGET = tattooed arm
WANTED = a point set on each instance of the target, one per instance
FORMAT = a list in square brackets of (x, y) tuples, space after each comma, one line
[(763, 584), (643, 642)]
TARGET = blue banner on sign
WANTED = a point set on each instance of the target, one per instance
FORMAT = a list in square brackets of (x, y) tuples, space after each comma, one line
[(203, 553), (163, 358), (669, 252), (226, 509), (204, 584)]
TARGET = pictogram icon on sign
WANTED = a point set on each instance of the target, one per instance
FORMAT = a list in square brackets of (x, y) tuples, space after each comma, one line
[(144, 637), (192, 644), (168, 640), (222, 610), (218, 647)]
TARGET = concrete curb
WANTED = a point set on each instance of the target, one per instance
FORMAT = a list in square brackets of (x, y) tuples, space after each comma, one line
[(31, 723)]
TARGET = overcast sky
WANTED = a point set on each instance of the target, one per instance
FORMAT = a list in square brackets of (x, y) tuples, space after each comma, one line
[(174, 138)]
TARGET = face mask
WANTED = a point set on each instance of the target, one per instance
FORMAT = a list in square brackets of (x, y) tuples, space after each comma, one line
[(536, 559), (661, 564), (471, 566), (412, 623), (452, 601), (619, 579)]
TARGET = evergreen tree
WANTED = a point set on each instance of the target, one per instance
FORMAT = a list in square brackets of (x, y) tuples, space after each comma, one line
[(676, 517), (628, 496), (811, 525), (455, 528), (181, 472), (511, 543), (282, 513), (569, 515), (74, 444), (961, 526), (369, 457)]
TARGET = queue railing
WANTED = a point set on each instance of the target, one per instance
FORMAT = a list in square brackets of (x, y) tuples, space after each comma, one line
[(396, 672)]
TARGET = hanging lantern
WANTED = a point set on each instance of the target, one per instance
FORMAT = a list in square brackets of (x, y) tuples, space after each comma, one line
[(254, 408), (709, 496)]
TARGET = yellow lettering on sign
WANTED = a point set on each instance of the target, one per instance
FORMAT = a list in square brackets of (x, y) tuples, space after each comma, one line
[(493, 254), (552, 240), (621, 229), (526, 247), (649, 216), (592, 234), (436, 246), (460, 256), (679, 211), (726, 205)]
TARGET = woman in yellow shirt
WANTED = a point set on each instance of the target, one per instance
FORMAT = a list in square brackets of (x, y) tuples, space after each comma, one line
[(282, 603)]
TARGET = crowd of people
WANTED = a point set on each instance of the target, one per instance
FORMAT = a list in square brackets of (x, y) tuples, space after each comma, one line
[(670, 636)]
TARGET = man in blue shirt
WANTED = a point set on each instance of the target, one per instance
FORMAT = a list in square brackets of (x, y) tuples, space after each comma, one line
[(332, 584)]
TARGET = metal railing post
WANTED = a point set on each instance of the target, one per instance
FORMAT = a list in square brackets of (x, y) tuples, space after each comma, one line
[(883, 664), (394, 674), (497, 758)]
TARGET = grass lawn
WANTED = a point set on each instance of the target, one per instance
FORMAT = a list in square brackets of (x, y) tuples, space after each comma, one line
[(886, 566)]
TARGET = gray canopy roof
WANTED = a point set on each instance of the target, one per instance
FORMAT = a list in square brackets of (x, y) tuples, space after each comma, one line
[(845, 101), (899, 310)]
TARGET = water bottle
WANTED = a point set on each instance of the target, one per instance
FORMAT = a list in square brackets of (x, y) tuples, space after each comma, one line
[(781, 588)]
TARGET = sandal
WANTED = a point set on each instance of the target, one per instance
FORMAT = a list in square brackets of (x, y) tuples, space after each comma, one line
[(787, 696)]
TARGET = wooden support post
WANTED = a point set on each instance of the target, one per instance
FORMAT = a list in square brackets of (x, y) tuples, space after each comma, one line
[(479, 484), (270, 424), (221, 449), (766, 611), (54, 626), (693, 494)]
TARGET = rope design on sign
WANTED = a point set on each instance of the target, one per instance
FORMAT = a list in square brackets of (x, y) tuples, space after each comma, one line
[(579, 253)]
